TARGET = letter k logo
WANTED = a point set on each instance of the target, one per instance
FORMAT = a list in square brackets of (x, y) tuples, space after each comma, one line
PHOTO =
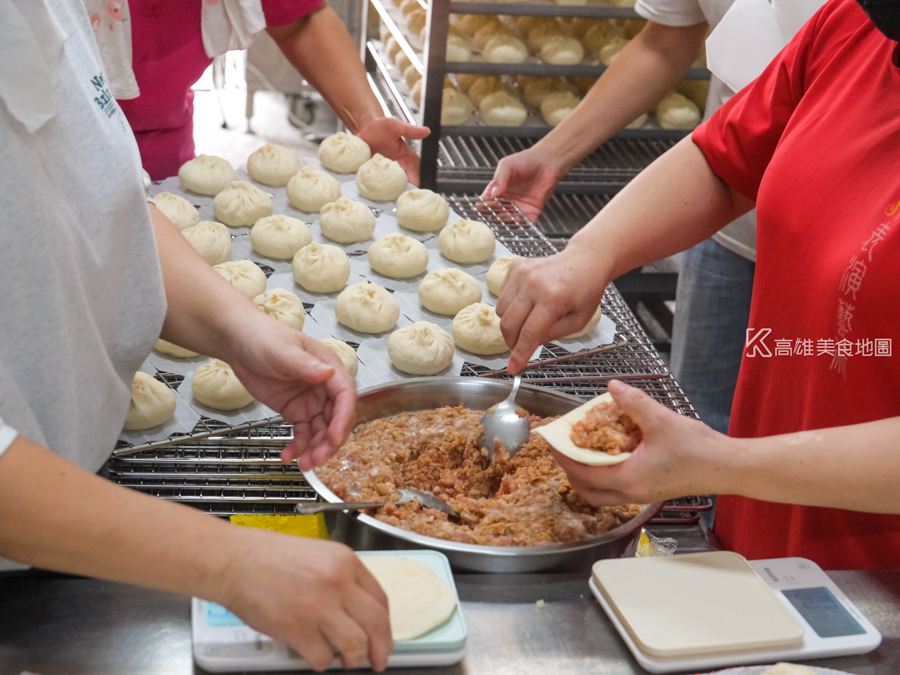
[(756, 343)]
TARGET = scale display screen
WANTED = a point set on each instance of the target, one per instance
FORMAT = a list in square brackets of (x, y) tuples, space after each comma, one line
[(823, 612)]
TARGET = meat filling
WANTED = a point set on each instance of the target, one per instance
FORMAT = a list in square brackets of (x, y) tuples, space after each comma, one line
[(607, 429)]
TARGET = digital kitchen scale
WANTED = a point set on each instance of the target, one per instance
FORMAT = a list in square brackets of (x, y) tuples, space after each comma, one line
[(702, 611), (223, 643)]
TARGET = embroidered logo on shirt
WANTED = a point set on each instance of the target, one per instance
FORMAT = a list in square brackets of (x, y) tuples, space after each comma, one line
[(104, 99)]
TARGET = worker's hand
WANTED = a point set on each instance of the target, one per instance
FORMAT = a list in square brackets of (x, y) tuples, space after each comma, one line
[(313, 595), (672, 461), (548, 298), (528, 178), (385, 135), (301, 379)]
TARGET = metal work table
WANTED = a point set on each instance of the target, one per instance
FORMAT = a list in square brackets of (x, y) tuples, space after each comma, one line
[(60, 625)]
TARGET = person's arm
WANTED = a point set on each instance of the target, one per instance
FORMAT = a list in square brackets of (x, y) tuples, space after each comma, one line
[(314, 595), (646, 69), (292, 373), (675, 203), (320, 48), (853, 467)]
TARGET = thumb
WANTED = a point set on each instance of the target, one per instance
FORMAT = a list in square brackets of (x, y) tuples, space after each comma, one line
[(415, 132), (498, 183), (307, 367), (634, 402)]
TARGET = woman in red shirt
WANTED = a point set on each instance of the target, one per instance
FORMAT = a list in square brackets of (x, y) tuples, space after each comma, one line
[(812, 443)]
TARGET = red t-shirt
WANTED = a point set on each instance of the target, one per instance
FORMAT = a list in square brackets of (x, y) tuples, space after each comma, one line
[(168, 58), (815, 141)]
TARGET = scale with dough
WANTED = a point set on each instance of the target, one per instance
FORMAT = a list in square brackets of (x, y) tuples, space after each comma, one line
[(702, 611), (223, 643)]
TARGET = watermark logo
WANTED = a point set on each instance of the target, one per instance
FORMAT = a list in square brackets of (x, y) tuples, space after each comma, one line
[(757, 346), (756, 342)]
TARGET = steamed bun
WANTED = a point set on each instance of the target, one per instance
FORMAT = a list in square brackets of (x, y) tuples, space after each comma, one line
[(273, 165), (497, 273), (422, 210), (456, 108), (589, 326), (502, 109), (343, 153), (476, 328), (557, 107), (367, 308), (152, 403), (244, 275), (283, 306), (211, 240), (309, 189), (381, 179), (345, 353), (448, 290), (346, 221), (241, 204), (676, 111), (505, 48), (562, 51), (215, 385), (398, 256), (177, 209), (423, 348), (321, 268), (467, 241), (207, 175), (279, 237)]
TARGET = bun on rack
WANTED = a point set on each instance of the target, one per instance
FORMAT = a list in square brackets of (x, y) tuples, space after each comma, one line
[(456, 108), (505, 48), (476, 328), (398, 256), (207, 175), (562, 51), (483, 85), (241, 204), (467, 242), (458, 49), (544, 32), (502, 109), (279, 237), (273, 165), (676, 111), (347, 221), (484, 34), (211, 240), (424, 348), (598, 35), (343, 153), (535, 91), (557, 107), (177, 209), (611, 50), (310, 189)]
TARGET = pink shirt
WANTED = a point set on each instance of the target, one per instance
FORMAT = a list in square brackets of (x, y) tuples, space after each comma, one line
[(168, 59)]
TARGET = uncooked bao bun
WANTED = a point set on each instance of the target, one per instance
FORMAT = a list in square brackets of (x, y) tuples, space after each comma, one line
[(211, 240), (346, 221), (676, 111), (345, 353), (343, 153), (398, 256), (476, 328), (321, 268), (559, 434), (152, 403), (423, 348), (456, 108), (470, 23), (367, 308), (525, 24), (216, 386), (422, 210), (503, 110), (402, 61), (273, 165), (611, 50), (415, 20), (241, 204), (467, 242), (177, 209), (245, 276), (497, 272), (171, 349), (562, 51), (557, 107), (457, 49), (543, 32), (279, 237), (415, 92), (381, 179), (488, 31), (310, 189), (391, 47), (207, 175), (589, 326), (283, 306), (536, 90), (448, 290), (504, 48), (483, 85), (599, 35), (411, 75), (466, 80)]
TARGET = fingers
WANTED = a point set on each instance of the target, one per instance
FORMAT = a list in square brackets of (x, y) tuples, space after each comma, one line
[(636, 403), (414, 132), (498, 184)]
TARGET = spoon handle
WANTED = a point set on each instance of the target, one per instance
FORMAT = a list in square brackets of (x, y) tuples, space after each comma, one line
[(515, 390), (310, 509)]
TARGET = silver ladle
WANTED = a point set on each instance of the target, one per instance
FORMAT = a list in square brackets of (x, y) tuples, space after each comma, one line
[(502, 424), (406, 495)]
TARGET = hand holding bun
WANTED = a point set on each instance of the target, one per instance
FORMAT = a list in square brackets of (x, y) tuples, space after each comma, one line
[(367, 308), (216, 386), (207, 175), (273, 165), (467, 242), (381, 179), (423, 348), (241, 204), (343, 153), (152, 403), (309, 190)]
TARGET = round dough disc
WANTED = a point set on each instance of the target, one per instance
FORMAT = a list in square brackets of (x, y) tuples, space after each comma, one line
[(419, 599)]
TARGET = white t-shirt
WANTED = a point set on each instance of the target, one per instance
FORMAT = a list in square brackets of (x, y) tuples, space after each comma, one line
[(81, 295), (738, 236)]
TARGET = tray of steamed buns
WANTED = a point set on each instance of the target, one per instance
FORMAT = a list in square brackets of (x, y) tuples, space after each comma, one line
[(526, 103), (386, 275)]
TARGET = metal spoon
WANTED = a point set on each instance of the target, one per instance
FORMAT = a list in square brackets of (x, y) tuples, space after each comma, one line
[(502, 424), (406, 495)]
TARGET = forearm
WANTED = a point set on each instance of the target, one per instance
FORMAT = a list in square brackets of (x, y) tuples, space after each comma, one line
[(646, 69), (203, 308), (853, 467), (57, 516), (320, 48), (673, 204)]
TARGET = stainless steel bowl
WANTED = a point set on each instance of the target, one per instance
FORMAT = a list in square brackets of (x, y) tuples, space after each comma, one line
[(365, 533)]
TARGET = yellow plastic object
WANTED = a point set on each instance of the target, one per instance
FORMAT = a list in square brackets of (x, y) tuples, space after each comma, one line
[(301, 526)]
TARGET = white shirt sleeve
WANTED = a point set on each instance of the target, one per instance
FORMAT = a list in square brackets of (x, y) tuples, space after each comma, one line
[(671, 12), (7, 436)]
